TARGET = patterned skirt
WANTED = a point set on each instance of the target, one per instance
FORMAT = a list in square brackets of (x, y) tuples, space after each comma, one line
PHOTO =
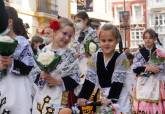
[(148, 107)]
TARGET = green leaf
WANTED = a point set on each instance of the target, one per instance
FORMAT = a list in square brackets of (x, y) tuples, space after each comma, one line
[(51, 66), (8, 48)]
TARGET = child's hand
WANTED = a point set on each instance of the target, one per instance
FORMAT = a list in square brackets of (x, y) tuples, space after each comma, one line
[(51, 81), (115, 107), (5, 62), (81, 101), (44, 74), (152, 68), (105, 101), (77, 55)]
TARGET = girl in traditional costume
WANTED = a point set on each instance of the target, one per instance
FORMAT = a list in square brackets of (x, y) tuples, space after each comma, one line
[(84, 33), (48, 98), (107, 70), (149, 91), (15, 85)]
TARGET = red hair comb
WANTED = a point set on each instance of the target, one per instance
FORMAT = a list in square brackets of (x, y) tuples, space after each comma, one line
[(54, 24)]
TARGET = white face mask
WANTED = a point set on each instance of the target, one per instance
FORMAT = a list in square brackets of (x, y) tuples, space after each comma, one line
[(79, 26), (46, 40)]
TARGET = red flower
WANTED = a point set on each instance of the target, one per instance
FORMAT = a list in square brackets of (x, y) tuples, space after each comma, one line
[(42, 32), (54, 24)]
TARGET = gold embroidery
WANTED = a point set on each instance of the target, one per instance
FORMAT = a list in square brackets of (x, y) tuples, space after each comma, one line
[(90, 62), (49, 110), (125, 63), (40, 107)]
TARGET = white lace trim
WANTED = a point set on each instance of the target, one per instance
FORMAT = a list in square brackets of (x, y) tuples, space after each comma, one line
[(119, 77), (91, 76)]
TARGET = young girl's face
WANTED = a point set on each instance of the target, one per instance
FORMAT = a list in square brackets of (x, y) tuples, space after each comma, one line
[(148, 40), (63, 36), (107, 41), (48, 32), (80, 23)]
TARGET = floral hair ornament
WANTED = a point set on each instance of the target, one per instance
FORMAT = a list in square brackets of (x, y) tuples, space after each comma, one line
[(42, 32), (54, 24)]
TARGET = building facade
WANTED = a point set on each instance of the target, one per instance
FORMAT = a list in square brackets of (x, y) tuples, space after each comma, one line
[(99, 9), (37, 12), (132, 32), (156, 17)]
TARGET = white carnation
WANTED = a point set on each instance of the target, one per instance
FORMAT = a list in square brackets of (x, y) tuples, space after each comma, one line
[(45, 58), (6, 39), (92, 47)]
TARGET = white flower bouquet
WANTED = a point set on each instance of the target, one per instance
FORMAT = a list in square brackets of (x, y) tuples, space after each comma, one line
[(47, 61), (91, 47), (7, 45)]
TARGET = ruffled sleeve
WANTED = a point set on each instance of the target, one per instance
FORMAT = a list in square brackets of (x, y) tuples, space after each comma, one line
[(138, 63), (118, 77), (91, 78), (68, 69), (23, 58)]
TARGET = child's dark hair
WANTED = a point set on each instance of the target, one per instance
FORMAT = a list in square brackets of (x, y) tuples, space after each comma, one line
[(83, 15), (66, 22), (3, 17), (12, 13), (36, 39), (153, 35), (130, 57), (18, 26), (115, 32)]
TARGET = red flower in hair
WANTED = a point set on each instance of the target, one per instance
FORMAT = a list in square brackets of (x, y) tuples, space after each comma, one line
[(54, 24), (42, 32)]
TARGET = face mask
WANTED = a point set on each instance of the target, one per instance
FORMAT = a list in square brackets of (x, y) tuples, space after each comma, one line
[(46, 40), (79, 26)]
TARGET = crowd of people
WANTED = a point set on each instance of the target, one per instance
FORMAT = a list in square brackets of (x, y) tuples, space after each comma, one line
[(91, 70)]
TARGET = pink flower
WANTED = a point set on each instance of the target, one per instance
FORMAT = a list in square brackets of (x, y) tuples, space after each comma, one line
[(160, 53)]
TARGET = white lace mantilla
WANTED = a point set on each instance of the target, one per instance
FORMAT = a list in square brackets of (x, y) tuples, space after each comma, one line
[(119, 77)]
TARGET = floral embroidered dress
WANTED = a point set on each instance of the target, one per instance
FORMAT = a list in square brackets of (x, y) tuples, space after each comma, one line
[(81, 39), (110, 77), (149, 90), (16, 87), (48, 100)]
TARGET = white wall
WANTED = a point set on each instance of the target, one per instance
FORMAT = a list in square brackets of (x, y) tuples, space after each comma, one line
[(154, 8), (102, 9), (31, 20), (29, 5), (63, 8), (155, 4)]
